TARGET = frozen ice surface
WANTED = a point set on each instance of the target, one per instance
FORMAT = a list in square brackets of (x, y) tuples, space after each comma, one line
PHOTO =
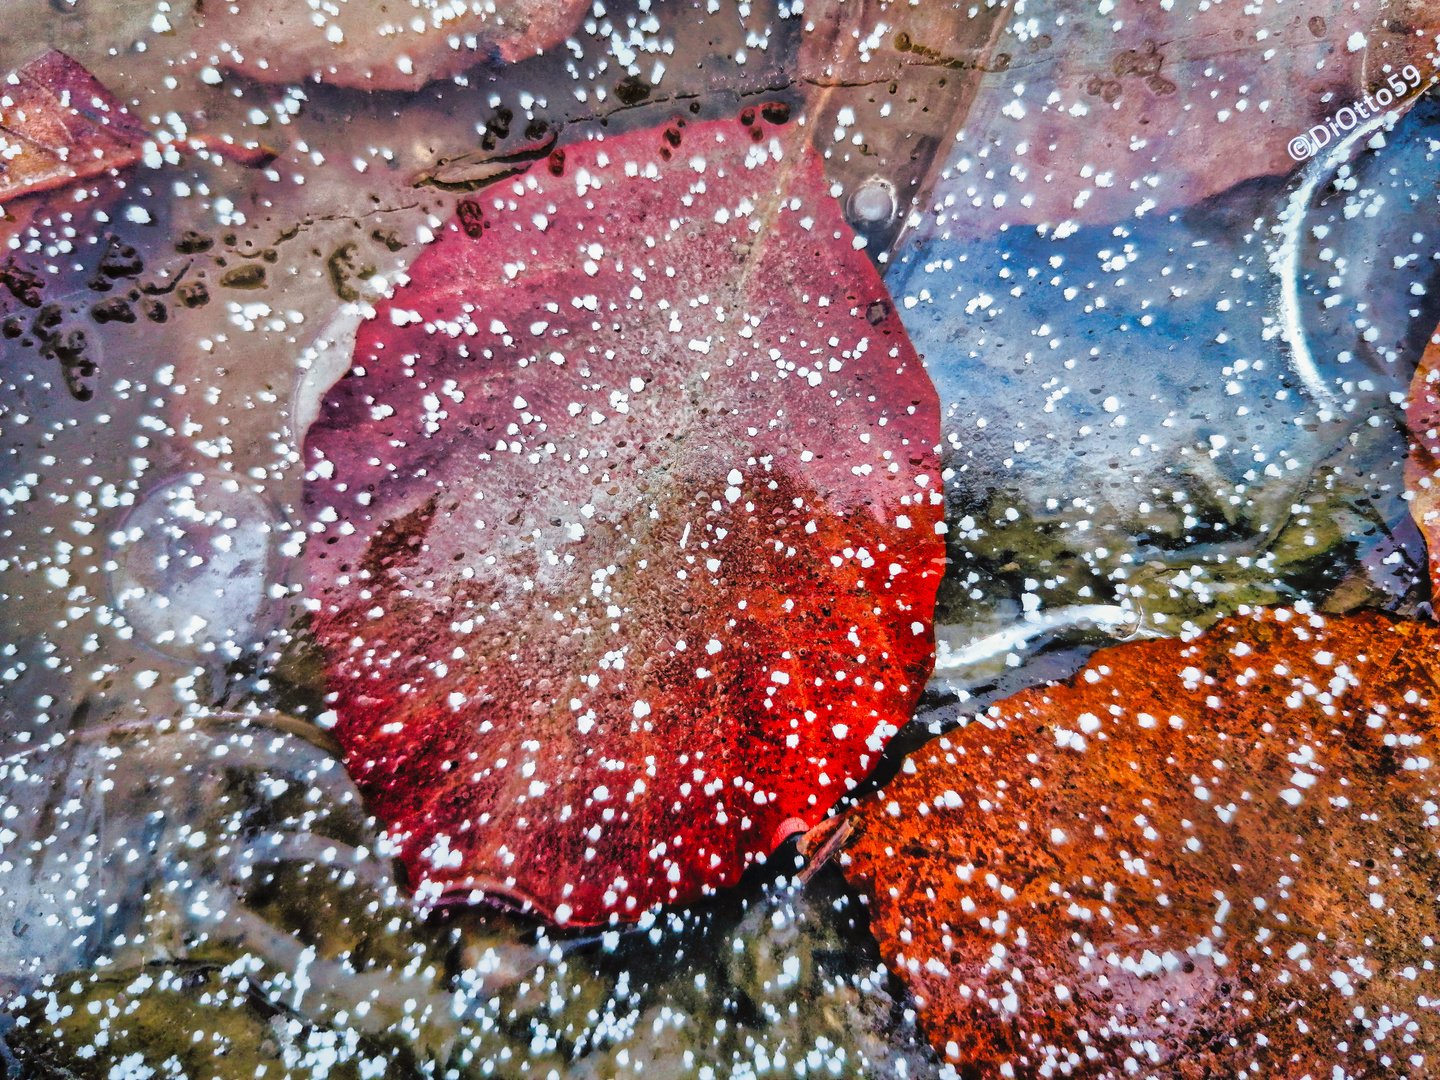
[(1123, 417), (176, 881), (195, 565)]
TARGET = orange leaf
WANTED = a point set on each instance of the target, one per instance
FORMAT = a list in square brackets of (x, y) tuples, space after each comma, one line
[(1188, 858)]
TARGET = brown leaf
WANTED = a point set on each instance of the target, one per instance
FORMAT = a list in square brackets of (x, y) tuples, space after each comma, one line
[(378, 45), (58, 124), (1188, 858)]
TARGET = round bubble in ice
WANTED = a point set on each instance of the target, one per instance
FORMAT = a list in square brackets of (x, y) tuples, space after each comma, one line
[(873, 202), (194, 567)]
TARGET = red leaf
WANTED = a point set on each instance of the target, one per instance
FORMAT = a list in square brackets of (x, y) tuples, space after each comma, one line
[(1422, 467), (642, 480), (1195, 855), (63, 125)]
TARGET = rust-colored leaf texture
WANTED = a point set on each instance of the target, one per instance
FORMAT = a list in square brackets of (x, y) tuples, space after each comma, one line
[(378, 45), (627, 524), (1202, 859), (58, 124), (1422, 467)]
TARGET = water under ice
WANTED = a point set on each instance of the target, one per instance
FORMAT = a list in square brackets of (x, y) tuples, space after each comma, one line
[(1206, 468)]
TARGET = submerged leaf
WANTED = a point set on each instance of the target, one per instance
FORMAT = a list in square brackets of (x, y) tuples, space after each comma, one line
[(625, 525), (1163, 454), (1189, 857), (1114, 118), (58, 124), (362, 43)]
